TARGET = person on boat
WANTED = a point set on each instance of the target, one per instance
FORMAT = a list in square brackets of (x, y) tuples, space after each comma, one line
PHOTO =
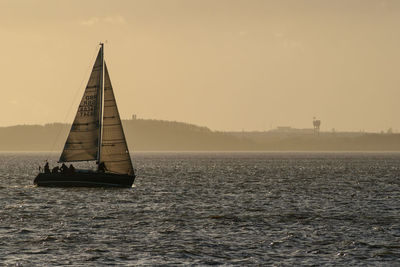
[(55, 169), (71, 168), (64, 168), (102, 167), (46, 167)]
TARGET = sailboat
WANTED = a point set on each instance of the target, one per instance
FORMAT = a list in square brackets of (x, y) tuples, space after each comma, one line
[(96, 135)]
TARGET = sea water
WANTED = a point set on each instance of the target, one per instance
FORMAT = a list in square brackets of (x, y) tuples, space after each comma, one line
[(208, 209)]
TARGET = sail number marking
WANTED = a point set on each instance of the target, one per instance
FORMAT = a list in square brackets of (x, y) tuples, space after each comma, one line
[(87, 107)]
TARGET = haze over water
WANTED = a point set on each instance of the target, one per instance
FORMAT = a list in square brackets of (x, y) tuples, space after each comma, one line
[(209, 208)]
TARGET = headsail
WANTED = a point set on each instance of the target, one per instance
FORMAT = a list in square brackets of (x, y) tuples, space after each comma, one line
[(114, 152), (82, 142)]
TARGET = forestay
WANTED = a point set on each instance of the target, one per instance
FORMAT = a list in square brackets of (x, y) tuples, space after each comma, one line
[(114, 151), (82, 142)]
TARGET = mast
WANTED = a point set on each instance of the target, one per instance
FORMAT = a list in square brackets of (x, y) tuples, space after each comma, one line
[(101, 89)]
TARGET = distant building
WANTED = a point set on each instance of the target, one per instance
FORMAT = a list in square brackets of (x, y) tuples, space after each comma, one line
[(290, 130)]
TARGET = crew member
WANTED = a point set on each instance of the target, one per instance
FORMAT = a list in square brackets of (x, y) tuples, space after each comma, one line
[(46, 167), (64, 168), (71, 168)]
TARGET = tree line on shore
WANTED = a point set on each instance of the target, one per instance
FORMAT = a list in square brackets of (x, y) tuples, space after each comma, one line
[(157, 135)]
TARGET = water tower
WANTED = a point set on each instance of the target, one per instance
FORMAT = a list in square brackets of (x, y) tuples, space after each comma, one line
[(317, 124)]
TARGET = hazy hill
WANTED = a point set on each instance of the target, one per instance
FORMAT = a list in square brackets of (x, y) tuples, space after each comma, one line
[(166, 135), (156, 135), (153, 135)]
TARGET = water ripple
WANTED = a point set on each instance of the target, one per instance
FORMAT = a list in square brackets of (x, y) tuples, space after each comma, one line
[(208, 209)]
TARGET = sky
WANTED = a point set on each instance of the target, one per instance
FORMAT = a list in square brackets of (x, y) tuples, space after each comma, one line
[(224, 64)]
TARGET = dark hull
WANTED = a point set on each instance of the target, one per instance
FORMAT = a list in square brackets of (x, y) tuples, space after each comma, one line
[(79, 179)]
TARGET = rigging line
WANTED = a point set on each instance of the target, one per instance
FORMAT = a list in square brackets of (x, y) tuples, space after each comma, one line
[(64, 124)]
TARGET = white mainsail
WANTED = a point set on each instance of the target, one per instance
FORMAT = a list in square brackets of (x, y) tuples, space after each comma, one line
[(114, 150), (83, 139)]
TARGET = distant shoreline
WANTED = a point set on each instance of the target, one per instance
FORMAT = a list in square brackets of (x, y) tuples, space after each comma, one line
[(167, 136)]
